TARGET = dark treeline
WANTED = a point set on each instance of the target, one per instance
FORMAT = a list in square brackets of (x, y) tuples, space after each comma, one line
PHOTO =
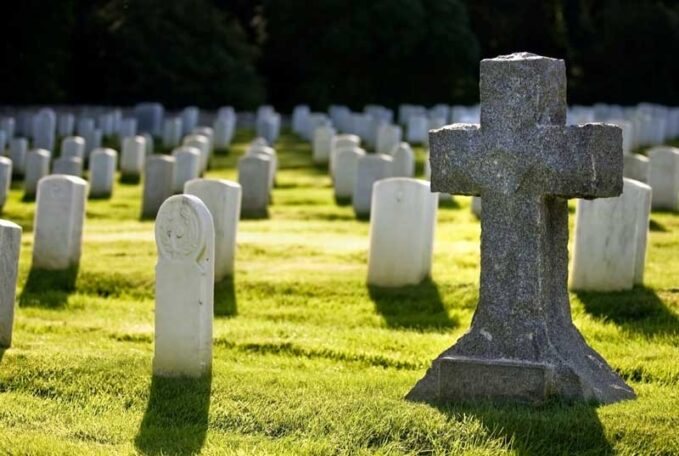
[(247, 52)]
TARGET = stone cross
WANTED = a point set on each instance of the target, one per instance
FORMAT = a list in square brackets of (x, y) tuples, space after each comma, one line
[(524, 162)]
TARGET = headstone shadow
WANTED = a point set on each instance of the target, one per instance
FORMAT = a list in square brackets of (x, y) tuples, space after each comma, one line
[(654, 225), (176, 417), (225, 298), (47, 288), (638, 311), (412, 307)]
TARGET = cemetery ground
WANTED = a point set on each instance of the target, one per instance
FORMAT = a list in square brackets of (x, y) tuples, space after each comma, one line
[(307, 359)]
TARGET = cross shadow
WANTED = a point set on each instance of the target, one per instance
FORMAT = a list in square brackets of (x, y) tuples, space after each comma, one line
[(412, 307), (47, 288), (637, 311), (176, 417), (225, 298), (553, 428)]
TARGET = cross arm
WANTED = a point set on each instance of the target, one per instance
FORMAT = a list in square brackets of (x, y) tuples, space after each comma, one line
[(453, 155)]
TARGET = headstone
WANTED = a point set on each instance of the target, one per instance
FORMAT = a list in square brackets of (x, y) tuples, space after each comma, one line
[(10, 245), (59, 218), (189, 118), (635, 166), (172, 132), (70, 166), (269, 152), (202, 143), (340, 142), (524, 161), (209, 133), (268, 127), (404, 161), (44, 127), (37, 167), (663, 177), (8, 125), (388, 138), (417, 129), (103, 163), (300, 116), (345, 172), (73, 146), (148, 143), (254, 176), (187, 166), (158, 183), (224, 129), (223, 199), (149, 117), (371, 168), (3, 142), (84, 126), (184, 288), (132, 157), (5, 179), (128, 128), (402, 225), (106, 123), (322, 144), (18, 148), (610, 240)]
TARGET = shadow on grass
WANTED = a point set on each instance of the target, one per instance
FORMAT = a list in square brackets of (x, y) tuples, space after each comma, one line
[(176, 417), (413, 306), (49, 289), (225, 298), (343, 200), (450, 203), (553, 428), (654, 225), (638, 311)]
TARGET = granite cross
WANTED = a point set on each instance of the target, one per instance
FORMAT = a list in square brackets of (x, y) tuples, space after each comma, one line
[(524, 162)]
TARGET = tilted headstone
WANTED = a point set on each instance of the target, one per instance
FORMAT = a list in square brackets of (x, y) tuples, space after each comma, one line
[(172, 132), (10, 245), (524, 161), (70, 166), (37, 167), (158, 183), (18, 148), (635, 166), (5, 179), (44, 128), (187, 166), (370, 169), (223, 199), (404, 161), (73, 146), (322, 144), (59, 218), (663, 177), (254, 173), (610, 240), (103, 163), (202, 143), (184, 288), (345, 171), (132, 157), (402, 223)]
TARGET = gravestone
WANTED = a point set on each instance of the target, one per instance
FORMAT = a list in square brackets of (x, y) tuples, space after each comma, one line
[(187, 166), (184, 288), (73, 146), (417, 129), (148, 143), (103, 163), (202, 143), (149, 117), (3, 142), (37, 167), (388, 138), (663, 177), (128, 128), (172, 132), (70, 166), (10, 245), (65, 124), (224, 128), (524, 162), (223, 199), (5, 179), (18, 148), (270, 153), (402, 223), (8, 125), (345, 171), (132, 158), (158, 183), (610, 240), (635, 166), (322, 145), (341, 142), (404, 161), (189, 116), (59, 218), (209, 133), (254, 173), (44, 128), (370, 169)]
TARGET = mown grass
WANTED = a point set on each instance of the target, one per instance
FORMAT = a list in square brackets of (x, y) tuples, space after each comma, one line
[(307, 358)]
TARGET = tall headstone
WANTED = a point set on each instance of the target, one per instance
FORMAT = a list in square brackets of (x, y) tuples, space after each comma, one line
[(103, 163), (322, 144), (404, 161), (253, 176), (37, 167), (18, 148), (184, 288), (187, 166), (345, 172), (158, 184), (223, 199), (610, 240), (663, 177), (73, 146), (70, 166), (58, 226), (371, 168), (524, 161), (10, 245), (5, 179), (132, 157), (402, 223)]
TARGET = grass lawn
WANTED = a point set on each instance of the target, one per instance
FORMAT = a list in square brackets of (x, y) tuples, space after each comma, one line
[(307, 359)]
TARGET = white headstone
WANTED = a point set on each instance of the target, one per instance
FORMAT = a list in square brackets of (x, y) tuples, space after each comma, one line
[(158, 183), (148, 143), (388, 138), (187, 166), (172, 132), (202, 143), (18, 148), (345, 171), (70, 166), (103, 163), (610, 240), (402, 223), (10, 245), (371, 168), (417, 129), (322, 144), (128, 128), (269, 152), (254, 173), (37, 167), (663, 177), (184, 288), (189, 118), (8, 124), (341, 142), (224, 128), (73, 146), (209, 133), (404, 161), (132, 157), (5, 179), (635, 166), (44, 127), (59, 217), (223, 199)]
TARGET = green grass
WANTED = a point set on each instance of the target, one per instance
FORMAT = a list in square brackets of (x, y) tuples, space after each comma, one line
[(307, 359)]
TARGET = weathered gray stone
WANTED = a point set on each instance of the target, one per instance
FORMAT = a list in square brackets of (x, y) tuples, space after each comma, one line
[(370, 169), (5, 179), (10, 245), (253, 176), (158, 183), (635, 166), (37, 167), (103, 163), (18, 148), (524, 162)]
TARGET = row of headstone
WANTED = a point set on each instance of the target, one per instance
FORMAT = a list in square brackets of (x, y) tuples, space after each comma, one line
[(257, 176)]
